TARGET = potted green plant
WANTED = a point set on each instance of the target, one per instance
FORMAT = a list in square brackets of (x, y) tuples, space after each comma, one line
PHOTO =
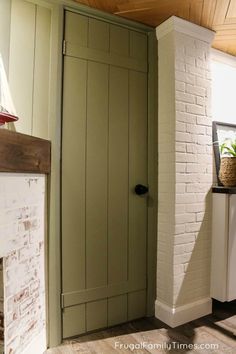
[(227, 172)]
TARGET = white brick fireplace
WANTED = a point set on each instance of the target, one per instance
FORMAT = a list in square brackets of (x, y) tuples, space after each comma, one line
[(22, 268), (185, 172)]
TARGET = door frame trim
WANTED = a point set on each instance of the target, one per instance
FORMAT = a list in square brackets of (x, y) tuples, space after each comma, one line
[(58, 7)]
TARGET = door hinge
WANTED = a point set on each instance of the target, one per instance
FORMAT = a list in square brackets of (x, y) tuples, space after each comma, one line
[(64, 47)]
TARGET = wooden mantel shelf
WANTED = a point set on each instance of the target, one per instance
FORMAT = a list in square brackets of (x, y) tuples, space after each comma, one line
[(24, 153)]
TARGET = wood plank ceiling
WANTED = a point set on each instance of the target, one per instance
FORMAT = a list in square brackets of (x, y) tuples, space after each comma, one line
[(218, 15)]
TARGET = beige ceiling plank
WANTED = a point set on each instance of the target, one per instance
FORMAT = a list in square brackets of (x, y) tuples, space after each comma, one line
[(226, 38), (142, 4), (232, 9), (184, 10), (220, 46), (226, 32), (223, 27), (196, 11), (208, 11), (133, 10), (104, 5), (231, 20), (221, 11), (148, 17)]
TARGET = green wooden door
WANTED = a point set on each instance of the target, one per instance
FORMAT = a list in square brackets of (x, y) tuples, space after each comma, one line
[(104, 155)]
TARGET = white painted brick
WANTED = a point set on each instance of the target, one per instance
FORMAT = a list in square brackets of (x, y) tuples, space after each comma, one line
[(179, 209), (179, 269), (191, 181), (203, 82), (200, 53), (179, 249), (192, 168), (191, 148), (180, 188), (205, 177), (189, 60), (179, 229), (209, 150), (180, 106), (208, 111), (184, 238), (185, 77), (201, 149), (181, 167), (26, 199), (187, 178), (197, 188), (201, 197), (194, 109), (180, 127), (179, 66), (185, 97), (191, 51), (209, 92), (183, 137), (180, 86), (189, 247), (196, 90), (204, 121), (182, 157), (201, 63), (204, 159), (185, 218), (195, 129), (185, 198), (209, 131), (193, 227), (186, 117), (208, 75), (200, 216), (195, 70), (203, 140), (181, 259), (200, 101), (209, 169), (180, 147), (203, 46)]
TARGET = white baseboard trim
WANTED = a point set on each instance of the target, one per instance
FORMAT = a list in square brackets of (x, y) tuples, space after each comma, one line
[(38, 344), (176, 316)]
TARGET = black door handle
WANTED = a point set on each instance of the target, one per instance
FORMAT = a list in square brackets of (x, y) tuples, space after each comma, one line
[(140, 189)]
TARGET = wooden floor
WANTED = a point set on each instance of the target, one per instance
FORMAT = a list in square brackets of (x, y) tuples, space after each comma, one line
[(215, 333)]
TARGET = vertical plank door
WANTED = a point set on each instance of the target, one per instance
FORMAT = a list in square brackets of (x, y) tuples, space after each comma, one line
[(104, 156)]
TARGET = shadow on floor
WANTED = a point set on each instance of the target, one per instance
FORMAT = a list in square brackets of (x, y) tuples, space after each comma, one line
[(218, 328)]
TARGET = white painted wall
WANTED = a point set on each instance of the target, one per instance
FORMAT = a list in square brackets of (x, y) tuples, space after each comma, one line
[(29, 66), (223, 87), (5, 21)]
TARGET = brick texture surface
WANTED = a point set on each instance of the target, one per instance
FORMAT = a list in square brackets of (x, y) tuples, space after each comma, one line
[(191, 281), (185, 170), (22, 232)]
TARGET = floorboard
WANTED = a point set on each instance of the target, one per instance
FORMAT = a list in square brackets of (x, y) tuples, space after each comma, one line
[(218, 329)]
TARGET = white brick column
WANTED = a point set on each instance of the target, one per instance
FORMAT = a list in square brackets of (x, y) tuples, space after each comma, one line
[(185, 172)]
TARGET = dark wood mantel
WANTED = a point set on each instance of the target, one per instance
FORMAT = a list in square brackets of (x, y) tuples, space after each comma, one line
[(24, 153)]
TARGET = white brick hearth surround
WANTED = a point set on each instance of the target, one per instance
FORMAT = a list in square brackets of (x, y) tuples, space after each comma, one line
[(22, 231), (185, 172)]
